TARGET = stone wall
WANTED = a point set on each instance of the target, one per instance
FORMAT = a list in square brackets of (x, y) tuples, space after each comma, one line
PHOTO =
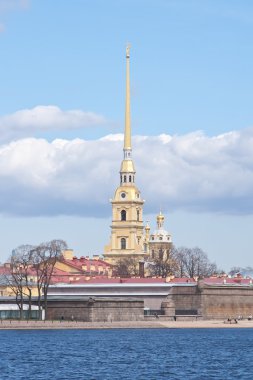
[(226, 301), (67, 310), (117, 310), (187, 300), (95, 310), (211, 301)]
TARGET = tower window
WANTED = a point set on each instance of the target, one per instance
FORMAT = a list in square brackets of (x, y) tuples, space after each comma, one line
[(125, 178), (123, 215), (160, 254), (130, 178), (138, 215), (123, 243), (121, 178)]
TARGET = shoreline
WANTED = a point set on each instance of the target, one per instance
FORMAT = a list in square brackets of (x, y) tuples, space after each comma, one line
[(69, 325)]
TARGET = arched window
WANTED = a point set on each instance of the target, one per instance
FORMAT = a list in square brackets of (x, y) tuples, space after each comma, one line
[(130, 178), (124, 178), (123, 215), (121, 178), (153, 253), (123, 243), (138, 215), (160, 254)]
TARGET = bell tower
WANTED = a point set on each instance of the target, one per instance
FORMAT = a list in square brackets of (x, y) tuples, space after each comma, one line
[(127, 239)]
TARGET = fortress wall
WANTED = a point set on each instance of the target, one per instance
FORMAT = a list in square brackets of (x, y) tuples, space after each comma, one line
[(98, 310), (57, 310), (226, 302), (113, 310), (186, 299)]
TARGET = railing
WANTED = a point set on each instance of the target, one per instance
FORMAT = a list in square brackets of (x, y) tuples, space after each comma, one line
[(186, 312), (15, 314)]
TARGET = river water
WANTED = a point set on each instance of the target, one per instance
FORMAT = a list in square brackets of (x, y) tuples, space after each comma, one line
[(126, 354)]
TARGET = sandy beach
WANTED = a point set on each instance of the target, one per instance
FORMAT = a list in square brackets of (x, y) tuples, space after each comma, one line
[(48, 325)]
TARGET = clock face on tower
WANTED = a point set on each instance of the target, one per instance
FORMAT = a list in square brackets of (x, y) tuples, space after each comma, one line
[(123, 195)]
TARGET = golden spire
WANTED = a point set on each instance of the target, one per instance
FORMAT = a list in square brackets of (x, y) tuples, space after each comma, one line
[(127, 170), (127, 139)]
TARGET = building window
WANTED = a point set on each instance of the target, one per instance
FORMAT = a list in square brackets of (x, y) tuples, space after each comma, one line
[(123, 215), (138, 215), (121, 178), (123, 243), (130, 178), (125, 178), (160, 238), (160, 254)]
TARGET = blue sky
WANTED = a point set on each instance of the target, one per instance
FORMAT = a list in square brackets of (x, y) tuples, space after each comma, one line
[(62, 115)]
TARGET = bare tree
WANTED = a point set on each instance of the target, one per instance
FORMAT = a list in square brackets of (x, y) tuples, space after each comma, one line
[(165, 263), (193, 262), (18, 277), (24, 254), (126, 267), (45, 257), (244, 271), (27, 262), (180, 259)]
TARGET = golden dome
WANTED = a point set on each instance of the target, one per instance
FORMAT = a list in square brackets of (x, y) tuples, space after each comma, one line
[(160, 219)]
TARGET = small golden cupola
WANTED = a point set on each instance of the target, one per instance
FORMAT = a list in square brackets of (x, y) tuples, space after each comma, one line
[(160, 241), (160, 220)]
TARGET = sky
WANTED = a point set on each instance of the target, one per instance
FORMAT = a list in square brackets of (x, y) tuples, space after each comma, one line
[(62, 91)]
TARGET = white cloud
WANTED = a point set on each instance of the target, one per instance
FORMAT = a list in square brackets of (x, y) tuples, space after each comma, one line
[(27, 122), (189, 172)]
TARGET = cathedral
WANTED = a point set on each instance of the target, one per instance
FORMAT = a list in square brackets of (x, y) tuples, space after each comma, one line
[(129, 238)]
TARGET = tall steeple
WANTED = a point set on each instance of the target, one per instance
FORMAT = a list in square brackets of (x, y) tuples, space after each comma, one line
[(127, 170), (127, 238), (127, 137)]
